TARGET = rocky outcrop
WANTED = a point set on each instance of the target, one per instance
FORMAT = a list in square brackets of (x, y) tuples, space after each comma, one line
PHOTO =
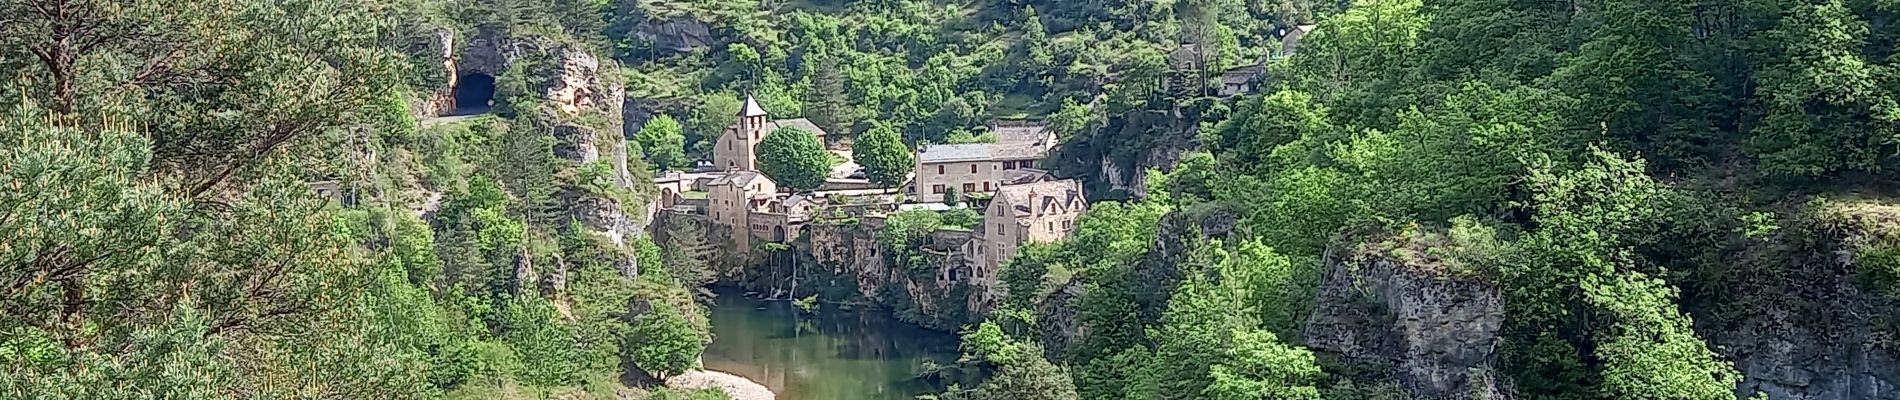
[(1438, 333), (487, 52), (1160, 272), (1811, 327), (1060, 319), (933, 294), (440, 100), (580, 99), (680, 33)]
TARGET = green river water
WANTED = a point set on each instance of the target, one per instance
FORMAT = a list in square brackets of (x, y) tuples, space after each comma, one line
[(833, 355)]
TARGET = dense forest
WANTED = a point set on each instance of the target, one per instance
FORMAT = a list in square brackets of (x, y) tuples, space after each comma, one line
[(1650, 199)]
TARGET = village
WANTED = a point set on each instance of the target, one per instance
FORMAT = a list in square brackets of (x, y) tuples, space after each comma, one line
[(1019, 204)]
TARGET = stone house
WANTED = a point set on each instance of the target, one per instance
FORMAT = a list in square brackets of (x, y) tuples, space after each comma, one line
[(1038, 212), (732, 199), (980, 167), (1241, 80), (1290, 40), (737, 147)]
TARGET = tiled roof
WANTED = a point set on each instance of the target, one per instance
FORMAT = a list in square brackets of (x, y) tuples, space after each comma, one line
[(1057, 195), (955, 152), (1017, 151), (943, 153), (1025, 175), (740, 178), (799, 123)]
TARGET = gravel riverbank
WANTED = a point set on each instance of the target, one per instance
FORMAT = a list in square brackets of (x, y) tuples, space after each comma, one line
[(735, 386)]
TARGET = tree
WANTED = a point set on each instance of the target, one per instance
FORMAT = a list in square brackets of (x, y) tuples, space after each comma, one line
[(1648, 349), (663, 142), (1634, 81), (881, 151), (1826, 109), (688, 257), (1259, 367), (794, 159), (825, 101), (952, 197), (177, 69), (1028, 377), (1191, 338), (716, 112), (664, 343)]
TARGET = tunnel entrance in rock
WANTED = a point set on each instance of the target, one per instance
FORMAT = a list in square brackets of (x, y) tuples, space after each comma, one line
[(474, 94)]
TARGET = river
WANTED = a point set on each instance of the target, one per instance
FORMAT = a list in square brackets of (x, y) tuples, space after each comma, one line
[(833, 355)]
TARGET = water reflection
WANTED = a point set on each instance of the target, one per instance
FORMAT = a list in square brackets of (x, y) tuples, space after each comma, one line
[(830, 356)]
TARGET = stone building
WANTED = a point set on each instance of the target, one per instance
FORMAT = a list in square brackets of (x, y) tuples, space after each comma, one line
[(1038, 212), (737, 147), (980, 167), (731, 200)]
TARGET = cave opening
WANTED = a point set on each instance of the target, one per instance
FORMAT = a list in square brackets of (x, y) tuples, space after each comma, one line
[(474, 94)]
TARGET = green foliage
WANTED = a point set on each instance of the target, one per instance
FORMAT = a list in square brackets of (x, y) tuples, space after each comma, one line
[(808, 304), (1022, 373), (881, 151), (1029, 377), (825, 101), (664, 343), (664, 143), (961, 218), (1648, 349), (1633, 83), (1259, 367), (529, 326), (677, 394), (716, 112), (689, 257), (1827, 110), (953, 197), (1191, 332), (794, 158)]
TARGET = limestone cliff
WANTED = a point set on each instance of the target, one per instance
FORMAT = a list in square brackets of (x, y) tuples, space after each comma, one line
[(576, 98), (1810, 322), (929, 287), (1433, 333)]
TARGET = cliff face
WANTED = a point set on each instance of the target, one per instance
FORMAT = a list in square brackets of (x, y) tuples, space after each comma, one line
[(1814, 327), (933, 292), (441, 51), (1438, 333), (579, 100)]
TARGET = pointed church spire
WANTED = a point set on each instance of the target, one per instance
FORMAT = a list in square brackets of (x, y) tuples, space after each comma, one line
[(751, 108)]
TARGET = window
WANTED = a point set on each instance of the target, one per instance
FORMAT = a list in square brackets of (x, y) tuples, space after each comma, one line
[(940, 170), (979, 249), (1000, 231), (986, 186), (1052, 225), (969, 187), (972, 168), (936, 188), (1068, 224)]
